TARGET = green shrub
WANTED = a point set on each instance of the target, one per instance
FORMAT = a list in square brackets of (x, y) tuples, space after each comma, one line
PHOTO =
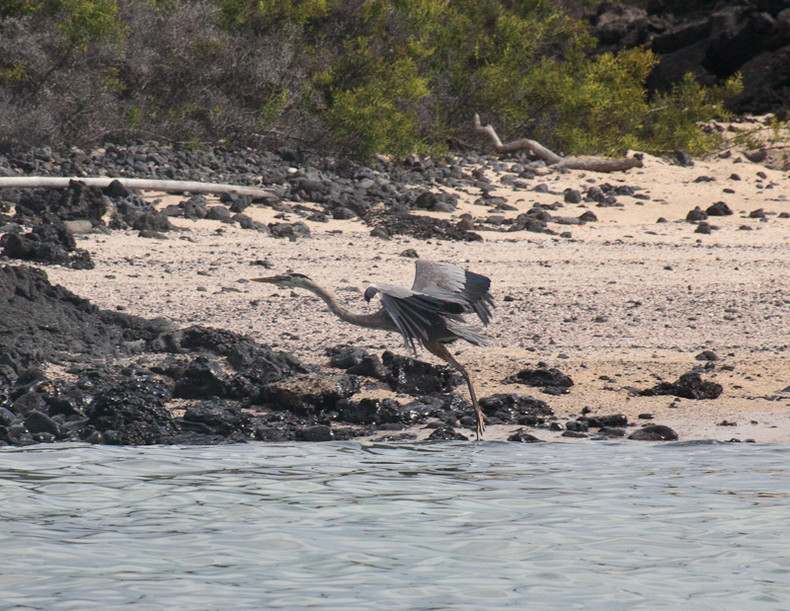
[(675, 120), (365, 76), (260, 15)]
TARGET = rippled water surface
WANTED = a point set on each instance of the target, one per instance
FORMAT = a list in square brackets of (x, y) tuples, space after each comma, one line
[(428, 526)]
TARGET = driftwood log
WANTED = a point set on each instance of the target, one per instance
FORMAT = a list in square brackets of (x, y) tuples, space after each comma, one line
[(143, 184), (592, 164)]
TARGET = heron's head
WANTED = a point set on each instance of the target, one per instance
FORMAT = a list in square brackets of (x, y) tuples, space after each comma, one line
[(370, 293), (292, 280)]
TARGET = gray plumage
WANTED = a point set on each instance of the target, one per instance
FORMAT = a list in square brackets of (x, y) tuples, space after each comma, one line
[(431, 312)]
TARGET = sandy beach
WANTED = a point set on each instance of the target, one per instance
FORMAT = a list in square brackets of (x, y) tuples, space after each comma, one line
[(619, 304)]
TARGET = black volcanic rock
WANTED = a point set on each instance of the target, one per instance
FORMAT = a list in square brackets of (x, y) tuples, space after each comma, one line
[(654, 432), (550, 378), (50, 243), (689, 386), (411, 376), (40, 322), (718, 209), (712, 40), (131, 411)]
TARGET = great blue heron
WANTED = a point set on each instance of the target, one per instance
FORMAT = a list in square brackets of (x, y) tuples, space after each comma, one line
[(431, 312)]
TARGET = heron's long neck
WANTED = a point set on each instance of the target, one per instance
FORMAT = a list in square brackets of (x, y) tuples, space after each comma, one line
[(372, 321)]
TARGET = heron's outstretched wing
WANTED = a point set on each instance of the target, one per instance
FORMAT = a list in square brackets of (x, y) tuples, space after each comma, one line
[(418, 316), (449, 282)]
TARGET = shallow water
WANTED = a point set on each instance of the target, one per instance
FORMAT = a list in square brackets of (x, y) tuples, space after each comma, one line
[(422, 526)]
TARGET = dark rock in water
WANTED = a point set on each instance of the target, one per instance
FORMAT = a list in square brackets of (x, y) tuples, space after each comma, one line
[(718, 209), (217, 418), (415, 377), (308, 393), (579, 425), (654, 432), (551, 379), (523, 436), (689, 386), (511, 408), (318, 432), (202, 379), (38, 422), (131, 411), (369, 411), (447, 433), (608, 431)]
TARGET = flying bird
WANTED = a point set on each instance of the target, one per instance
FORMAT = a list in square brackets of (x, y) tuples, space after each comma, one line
[(430, 313)]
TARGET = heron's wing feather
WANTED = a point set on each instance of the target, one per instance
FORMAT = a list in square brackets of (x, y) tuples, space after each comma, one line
[(417, 316), (449, 282)]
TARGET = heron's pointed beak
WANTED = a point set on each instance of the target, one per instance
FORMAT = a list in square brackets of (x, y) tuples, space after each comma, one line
[(270, 279)]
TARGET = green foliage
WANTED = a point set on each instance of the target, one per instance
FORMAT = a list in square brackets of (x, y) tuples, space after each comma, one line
[(82, 21), (674, 123), (14, 73), (260, 15), (368, 76), (17, 8), (595, 104), (272, 107), (378, 116)]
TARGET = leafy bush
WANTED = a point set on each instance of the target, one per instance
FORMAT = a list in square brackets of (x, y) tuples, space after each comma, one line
[(364, 76), (674, 124)]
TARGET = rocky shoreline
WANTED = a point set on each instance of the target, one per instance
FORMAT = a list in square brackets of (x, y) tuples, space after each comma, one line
[(73, 371)]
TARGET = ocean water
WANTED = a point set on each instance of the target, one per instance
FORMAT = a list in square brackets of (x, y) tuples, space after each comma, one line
[(396, 526)]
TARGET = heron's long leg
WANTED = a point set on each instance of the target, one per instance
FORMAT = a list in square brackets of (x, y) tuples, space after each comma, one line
[(440, 350)]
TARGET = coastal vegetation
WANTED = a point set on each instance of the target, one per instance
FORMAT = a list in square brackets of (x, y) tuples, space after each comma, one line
[(370, 77)]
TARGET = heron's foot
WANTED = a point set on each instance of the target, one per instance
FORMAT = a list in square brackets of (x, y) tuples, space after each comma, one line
[(481, 425)]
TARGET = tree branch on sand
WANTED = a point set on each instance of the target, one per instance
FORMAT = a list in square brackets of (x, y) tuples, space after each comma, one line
[(592, 164), (143, 184)]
